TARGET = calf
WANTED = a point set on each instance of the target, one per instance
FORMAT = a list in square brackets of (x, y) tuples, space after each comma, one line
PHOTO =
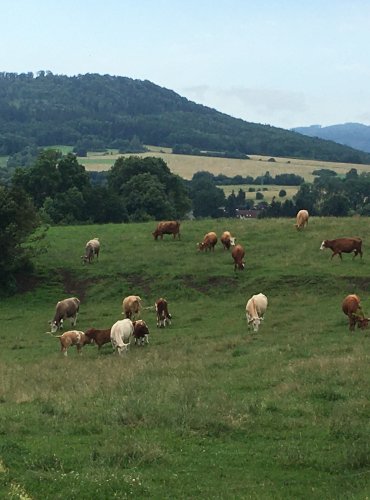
[(163, 316), (227, 240), (131, 306), (141, 332), (167, 227), (92, 248), (120, 335), (255, 310), (345, 245), (302, 219), (98, 337), (238, 256), (73, 337), (351, 306), (209, 242), (67, 308)]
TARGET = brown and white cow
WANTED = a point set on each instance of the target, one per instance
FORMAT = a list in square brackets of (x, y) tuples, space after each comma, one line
[(163, 316), (131, 306), (238, 254), (255, 310), (120, 335), (141, 332), (343, 245), (73, 337), (167, 227), (227, 240), (302, 219), (67, 308), (351, 306), (98, 337), (209, 242), (92, 248)]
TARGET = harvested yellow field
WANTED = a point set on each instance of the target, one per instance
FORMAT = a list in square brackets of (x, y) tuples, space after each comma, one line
[(272, 191)]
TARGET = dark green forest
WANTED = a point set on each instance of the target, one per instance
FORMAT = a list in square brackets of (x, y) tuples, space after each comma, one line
[(108, 111)]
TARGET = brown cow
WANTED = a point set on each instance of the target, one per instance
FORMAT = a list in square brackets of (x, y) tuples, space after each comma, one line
[(163, 316), (73, 337), (92, 248), (302, 219), (238, 256), (209, 242), (351, 306), (67, 308), (227, 240), (131, 306), (141, 332), (98, 337), (167, 227), (345, 245)]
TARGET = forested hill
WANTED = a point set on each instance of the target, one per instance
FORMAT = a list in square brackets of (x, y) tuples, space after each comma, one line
[(47, 109)]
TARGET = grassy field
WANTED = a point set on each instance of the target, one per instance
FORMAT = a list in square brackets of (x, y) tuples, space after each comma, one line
[(272, 190), (208, 409)]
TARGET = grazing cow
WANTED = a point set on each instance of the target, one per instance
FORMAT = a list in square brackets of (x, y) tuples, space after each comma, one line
[(302, 219), (351, 306), (131, 306), (345, 245), (167, 227), (92, 248), (73, 337), (227, 240), (120, 335), (98, 337), (255, 309), (209, 242), (237, 254), (163, 316), (141, 332), (67, 308)]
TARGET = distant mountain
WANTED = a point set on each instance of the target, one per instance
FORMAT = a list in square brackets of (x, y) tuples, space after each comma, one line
[(101, 111), (355, 135)]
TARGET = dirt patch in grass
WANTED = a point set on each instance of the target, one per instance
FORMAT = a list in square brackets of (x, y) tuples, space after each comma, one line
[(138, 282), (27, 283), (73, 286), (212, 283)]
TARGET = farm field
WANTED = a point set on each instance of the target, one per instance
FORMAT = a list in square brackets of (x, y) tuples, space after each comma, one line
[(208, 409), (272, 190)]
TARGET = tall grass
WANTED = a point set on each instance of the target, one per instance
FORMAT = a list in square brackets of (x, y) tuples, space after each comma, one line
[(208, 409)]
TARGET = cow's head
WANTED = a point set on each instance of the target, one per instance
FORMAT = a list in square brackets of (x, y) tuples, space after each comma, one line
[(362, 322), (254, 323), (232, 241), (323, 245), (200, 246), (123, 349)]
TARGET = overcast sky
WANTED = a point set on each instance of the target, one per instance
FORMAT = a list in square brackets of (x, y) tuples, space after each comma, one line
[(285, 63)]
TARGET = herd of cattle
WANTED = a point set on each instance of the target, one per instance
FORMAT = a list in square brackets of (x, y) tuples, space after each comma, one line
[(121, 333)]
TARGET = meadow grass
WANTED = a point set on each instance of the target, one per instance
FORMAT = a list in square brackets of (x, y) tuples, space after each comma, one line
[(208, 409)]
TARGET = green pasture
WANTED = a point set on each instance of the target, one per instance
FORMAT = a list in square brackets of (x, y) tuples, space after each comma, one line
[(208, 409)]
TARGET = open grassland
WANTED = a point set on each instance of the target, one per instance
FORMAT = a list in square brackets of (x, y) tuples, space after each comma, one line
[(271, 192), (207, 409)]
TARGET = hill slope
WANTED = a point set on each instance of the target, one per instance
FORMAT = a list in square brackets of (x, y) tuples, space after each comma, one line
[(56, 109), (355, 135)]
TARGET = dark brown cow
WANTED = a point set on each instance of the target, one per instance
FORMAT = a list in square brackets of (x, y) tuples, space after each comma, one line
[(238, 256), (345, 245), (351, 306), (209, 242), (141, 332), (163, 316), (227, 240), (167, 227), (98, 337)]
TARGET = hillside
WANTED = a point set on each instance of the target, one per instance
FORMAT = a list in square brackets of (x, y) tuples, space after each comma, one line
[(355, 135), (107, 110)]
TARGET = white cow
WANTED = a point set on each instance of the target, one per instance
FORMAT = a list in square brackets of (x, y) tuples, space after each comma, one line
[(92, 248), (120, 335), (255, 309)]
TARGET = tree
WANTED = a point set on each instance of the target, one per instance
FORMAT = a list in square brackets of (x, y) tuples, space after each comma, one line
[(282, 193)]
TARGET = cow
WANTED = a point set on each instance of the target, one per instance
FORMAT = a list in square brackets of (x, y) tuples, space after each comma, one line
[(131, 306), (255, 310), (167, 227), (237, 254), (163, 316), (227, 240), (98, 337), (302, 219), (73, 337), (209, 242), (92, 248), (141, 332), (345, 245), (67, 308), (120, 335), (351, 306)]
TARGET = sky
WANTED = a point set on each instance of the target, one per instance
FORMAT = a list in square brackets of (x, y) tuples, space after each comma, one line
[(286, 63)]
